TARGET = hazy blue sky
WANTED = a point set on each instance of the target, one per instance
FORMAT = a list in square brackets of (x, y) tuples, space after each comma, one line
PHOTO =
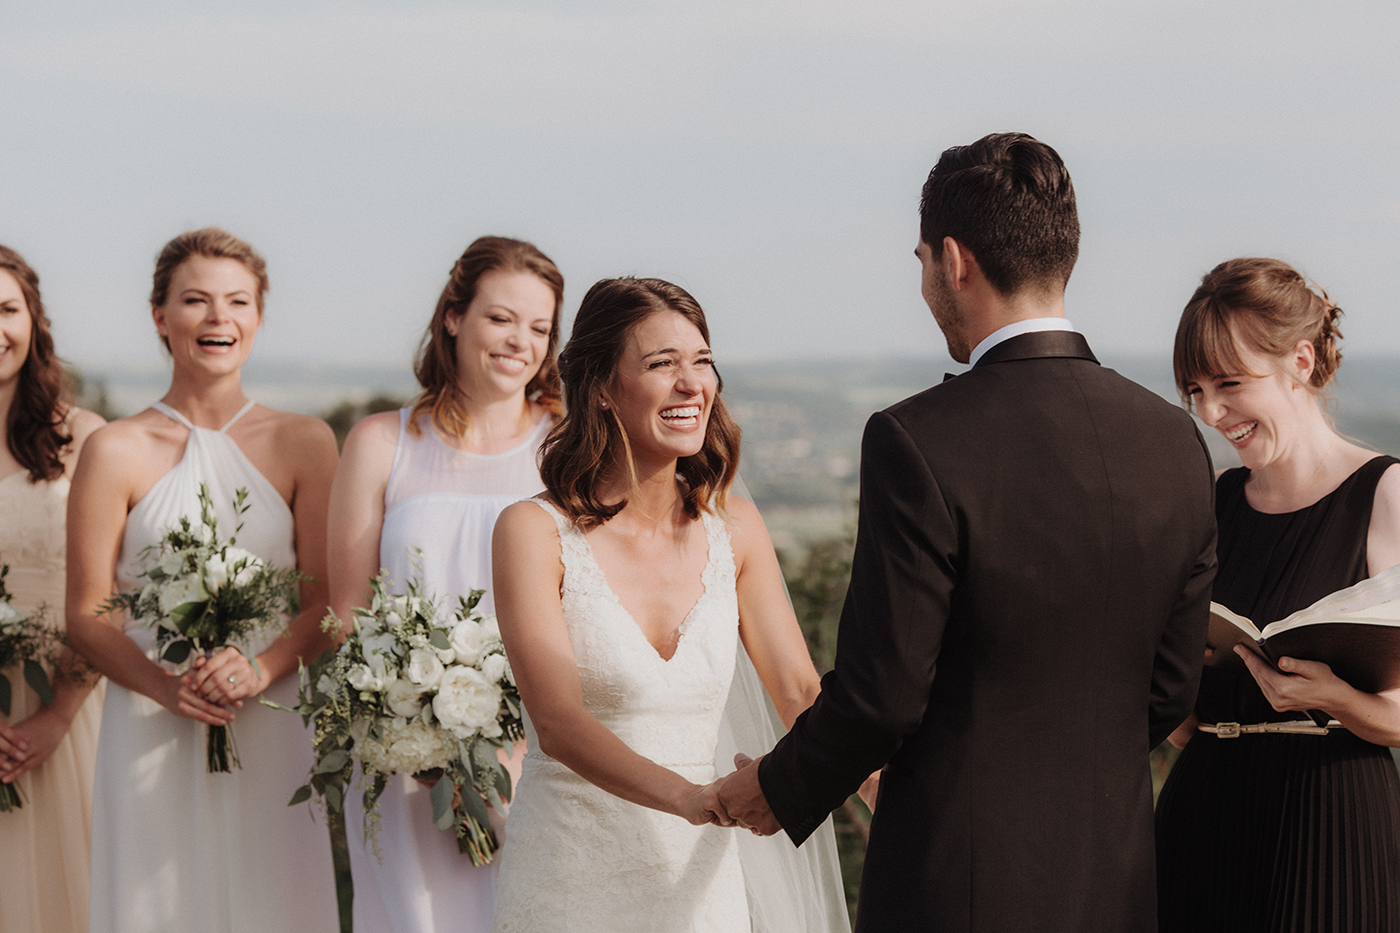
[(766, 154)]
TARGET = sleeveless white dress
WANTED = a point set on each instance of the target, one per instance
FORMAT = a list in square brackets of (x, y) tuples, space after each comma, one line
[(443, 502), (175, 848), (580, 859)]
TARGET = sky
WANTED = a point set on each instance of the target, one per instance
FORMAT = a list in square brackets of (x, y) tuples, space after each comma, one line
[(767, 155)]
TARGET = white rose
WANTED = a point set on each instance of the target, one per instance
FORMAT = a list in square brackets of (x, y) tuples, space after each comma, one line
[(467, 639), (404, 699), (424, 668), (490, 626), (467, 703), (171, 565), (510, 674), (215, 573), (248, 571), (493, 667), (178, 592), (9, 614)]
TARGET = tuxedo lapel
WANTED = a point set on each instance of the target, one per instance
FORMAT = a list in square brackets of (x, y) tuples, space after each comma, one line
[(1039, 345)]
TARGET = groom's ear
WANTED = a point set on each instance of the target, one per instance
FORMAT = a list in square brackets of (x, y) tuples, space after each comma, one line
[(957, 264)]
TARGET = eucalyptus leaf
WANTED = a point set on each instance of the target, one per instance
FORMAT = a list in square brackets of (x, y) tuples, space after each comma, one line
[(302, 795), (333, 761), (441, 796), (36, 678), (474, 805), (438, 639), (334, 797)]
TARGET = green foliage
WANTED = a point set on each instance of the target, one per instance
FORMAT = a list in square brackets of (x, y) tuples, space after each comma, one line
[(347, 414)]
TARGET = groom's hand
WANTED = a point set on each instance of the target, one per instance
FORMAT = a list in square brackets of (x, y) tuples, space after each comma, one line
[(743, 798)]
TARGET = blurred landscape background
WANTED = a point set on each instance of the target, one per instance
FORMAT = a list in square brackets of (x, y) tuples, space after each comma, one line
[(802, 422)]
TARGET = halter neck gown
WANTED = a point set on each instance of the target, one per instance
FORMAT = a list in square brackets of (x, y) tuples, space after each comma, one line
[(1278, 832), (44, 882), (441, 503), (174, 847)]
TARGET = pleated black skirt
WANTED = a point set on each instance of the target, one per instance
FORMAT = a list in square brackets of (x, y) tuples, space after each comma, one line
[(1280, 834)]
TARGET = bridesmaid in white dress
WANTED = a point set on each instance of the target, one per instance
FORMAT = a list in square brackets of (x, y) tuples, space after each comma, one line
[(175, 847), (47, 751), (623, 596), (432, 478)]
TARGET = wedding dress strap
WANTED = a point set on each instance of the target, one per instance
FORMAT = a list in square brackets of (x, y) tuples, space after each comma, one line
[(174, 415)]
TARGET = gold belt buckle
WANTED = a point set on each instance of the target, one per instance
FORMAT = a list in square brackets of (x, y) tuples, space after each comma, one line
[(1227, 730)]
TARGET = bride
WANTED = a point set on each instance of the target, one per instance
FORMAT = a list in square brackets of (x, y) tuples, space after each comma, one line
[(623, 595)]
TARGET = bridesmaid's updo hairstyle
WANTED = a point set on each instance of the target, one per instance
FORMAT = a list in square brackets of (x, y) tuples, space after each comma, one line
[(1270, 307), (590, 442), (34, 428), (210, 243), (436, 365)]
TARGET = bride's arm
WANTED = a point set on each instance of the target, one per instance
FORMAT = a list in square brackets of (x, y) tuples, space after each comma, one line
[(103, 483), (767, 625), (308, 444), (527, 578)]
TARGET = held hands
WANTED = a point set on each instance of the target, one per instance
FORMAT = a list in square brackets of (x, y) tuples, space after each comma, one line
[(741, 799), (28, 744), (225, 678), (1302, 685)]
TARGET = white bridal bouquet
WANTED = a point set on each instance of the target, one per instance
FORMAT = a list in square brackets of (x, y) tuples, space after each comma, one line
[(28, 642), (204, 594), (417, 689)]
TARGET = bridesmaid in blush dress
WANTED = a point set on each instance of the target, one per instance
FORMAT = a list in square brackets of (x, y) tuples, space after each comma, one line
[(1296, 828), (46, 751), (423, 486), (174, 846)]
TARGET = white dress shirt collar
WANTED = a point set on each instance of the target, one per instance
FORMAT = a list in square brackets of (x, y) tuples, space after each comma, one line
[(1016, 329)]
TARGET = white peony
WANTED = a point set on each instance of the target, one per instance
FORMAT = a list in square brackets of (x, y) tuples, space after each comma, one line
[(493, 667), (424, 668), (468, 703), (404, 699), (177, 593), (467, 641), (491, 627)]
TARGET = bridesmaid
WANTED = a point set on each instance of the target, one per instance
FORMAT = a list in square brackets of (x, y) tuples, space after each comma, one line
[(433, 477), (175, 847), (46, 750)]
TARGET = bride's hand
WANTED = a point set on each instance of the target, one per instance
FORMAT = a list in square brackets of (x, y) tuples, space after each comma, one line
[(869, 790), (703, 806), (178, 695)]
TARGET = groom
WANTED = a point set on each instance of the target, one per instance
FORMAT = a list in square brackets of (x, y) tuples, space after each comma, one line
[(1028, 603)]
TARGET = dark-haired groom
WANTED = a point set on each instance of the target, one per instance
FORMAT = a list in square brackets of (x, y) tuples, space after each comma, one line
[(1028, 604)]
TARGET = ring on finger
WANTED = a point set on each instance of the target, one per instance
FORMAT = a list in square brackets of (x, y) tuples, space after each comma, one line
[(233, 680)]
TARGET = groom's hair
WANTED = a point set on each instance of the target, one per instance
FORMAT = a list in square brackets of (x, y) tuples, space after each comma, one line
[(589, 444), (1009, 200)]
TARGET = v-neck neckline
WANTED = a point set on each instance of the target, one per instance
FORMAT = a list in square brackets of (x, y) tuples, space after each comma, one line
[(680, 630)]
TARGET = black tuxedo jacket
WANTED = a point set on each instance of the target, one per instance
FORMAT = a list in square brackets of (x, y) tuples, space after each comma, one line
[(1026, 620)]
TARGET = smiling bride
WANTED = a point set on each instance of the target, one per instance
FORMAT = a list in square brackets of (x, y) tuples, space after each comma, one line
[(624, 595)]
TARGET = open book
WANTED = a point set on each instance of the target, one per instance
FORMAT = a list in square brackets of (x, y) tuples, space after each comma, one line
[(1356, 631)]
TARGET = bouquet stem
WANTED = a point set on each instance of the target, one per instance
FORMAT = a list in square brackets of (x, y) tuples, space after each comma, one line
[(10, 798), (222, 750), (473, 839)]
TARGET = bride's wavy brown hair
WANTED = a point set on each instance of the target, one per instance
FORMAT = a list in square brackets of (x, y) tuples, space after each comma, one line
[(436, 366), (34, 427), (589, 442)]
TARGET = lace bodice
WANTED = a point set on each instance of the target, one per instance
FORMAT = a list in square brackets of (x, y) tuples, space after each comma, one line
[(666, 710)]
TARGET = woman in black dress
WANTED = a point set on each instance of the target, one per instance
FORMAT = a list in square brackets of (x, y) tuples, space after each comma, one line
[(1282, 830)]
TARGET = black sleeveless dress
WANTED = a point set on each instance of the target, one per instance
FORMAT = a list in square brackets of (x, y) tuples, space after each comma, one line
[(1280, 832)]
